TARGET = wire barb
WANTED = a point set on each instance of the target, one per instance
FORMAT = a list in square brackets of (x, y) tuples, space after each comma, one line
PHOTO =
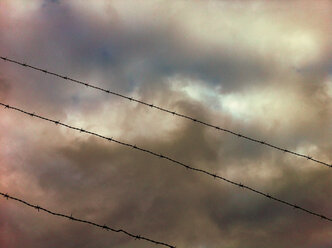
[(5, 195), (207, 173), (168, 111)]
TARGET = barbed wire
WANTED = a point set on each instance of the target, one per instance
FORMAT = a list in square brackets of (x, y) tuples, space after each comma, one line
[(105, 227), (161, 156), (169, 112)]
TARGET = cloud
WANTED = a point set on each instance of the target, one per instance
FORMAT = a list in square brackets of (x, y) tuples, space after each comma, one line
[(261, 69), (4, 88)]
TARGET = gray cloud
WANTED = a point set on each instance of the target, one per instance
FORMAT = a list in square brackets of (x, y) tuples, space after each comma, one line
[(124, 188), (129, 189), (4, 88)]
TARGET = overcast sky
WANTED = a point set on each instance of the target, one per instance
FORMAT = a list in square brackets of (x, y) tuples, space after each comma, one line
[(261, 68)]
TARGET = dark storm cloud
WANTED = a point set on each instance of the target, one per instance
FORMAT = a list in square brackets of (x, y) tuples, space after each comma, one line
[(150, 196), (66, 41), (109, 184), (132, 55), (122, 57)]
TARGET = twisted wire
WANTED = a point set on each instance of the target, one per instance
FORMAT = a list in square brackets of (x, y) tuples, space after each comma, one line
[(105, 227), (308, 157), (161, 156)]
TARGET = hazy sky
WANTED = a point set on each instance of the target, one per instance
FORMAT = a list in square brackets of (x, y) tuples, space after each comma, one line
[(261, 68)]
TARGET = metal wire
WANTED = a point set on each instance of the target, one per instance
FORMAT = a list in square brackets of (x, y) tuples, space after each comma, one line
[(161, 156), (105, 227), (169, 112)]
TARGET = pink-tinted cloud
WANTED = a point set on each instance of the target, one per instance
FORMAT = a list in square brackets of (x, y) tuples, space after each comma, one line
[(260, 68)]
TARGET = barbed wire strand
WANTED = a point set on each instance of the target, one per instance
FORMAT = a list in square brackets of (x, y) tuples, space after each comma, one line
[(105, 227), (161, 156), (308, 157)]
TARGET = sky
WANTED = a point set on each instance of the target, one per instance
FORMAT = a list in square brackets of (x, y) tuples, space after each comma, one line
[(260, 68)]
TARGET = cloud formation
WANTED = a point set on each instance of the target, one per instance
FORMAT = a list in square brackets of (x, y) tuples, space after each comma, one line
[(260, 68)]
